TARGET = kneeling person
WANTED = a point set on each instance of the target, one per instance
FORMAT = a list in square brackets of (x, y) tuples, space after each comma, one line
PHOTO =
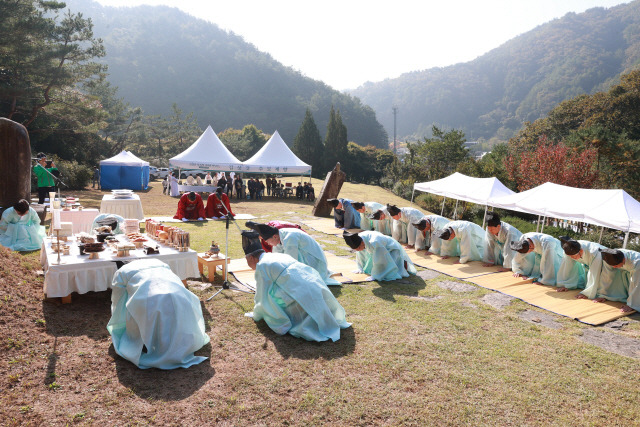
[(497, 239), (464, 239), (190, 206), (539, 257), (581, 264), (380, 256), (628, 264), (428, 228), (20, 228), (292, 297)]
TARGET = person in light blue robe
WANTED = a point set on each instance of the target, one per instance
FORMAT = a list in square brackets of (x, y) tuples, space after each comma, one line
[(580, 264), (155, 321), (626, 262), (403, 220), (464, 239), (367, 209), (20, 228), (292, 297), (428, 228), (300, 246), (539, 257), (380, 256), (111, 220), (383, 221), (497, 238), (345, 215)]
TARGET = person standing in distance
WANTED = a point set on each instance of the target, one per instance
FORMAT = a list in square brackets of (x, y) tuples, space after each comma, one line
[(44, 175)]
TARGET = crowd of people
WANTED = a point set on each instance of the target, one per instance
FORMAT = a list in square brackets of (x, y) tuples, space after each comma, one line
[(601, 274), (234, 186)]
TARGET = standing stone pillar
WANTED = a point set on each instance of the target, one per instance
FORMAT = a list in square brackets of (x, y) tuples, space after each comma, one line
[(15, 163), (330, 190)]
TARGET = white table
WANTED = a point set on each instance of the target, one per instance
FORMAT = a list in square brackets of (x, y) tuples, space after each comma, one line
[(81, 274), (126, 208), (82, 219), (197, 188)]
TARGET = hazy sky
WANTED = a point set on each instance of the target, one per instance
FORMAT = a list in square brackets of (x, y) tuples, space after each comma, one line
[(348, 42)]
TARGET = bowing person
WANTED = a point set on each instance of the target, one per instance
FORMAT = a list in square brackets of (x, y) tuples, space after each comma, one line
[(218, 205), (299, 245), (20, 228), (464, 239), (190, 207), (403, 220), (277, 224), (367, 209), (344, 214), (380, 256), (428, 228), (497, 238), (539, 257), (628, 264), (383, 221), (580, 264), (291, 297)]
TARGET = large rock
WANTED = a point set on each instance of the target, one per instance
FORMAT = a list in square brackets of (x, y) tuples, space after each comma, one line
[(330, 190), (15, 163)]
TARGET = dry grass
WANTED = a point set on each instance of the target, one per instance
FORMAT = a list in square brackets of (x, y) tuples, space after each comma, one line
[(405, 361)]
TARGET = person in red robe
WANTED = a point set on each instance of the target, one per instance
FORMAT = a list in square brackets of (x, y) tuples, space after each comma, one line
[(277, 224), (215, 207), (190, 206)]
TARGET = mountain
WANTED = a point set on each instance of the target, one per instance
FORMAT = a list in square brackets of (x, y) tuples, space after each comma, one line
[(493, 95), (159, 55)]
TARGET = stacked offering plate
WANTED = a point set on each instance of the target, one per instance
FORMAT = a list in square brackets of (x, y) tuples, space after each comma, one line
[(122, 194), (92, 249)]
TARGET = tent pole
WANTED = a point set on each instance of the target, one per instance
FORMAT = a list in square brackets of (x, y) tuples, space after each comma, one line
[(442, 210), (412, 194), (538, 224), (601, 230), (626, 240), (542, 228), (484, 219), (455, 211)]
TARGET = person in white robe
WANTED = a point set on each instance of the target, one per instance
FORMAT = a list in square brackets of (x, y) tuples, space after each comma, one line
[(383, 220), (428, 228), (498, 236), (539, 258), (155, 321), (291, 297), (300, 246), (367, 209), (464, 239), (173, 185), (20, 228), (403, 220), (627, 262), (380, 256)]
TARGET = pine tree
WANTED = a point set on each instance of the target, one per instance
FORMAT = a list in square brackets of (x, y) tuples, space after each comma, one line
[(307, 144), (335, 144)]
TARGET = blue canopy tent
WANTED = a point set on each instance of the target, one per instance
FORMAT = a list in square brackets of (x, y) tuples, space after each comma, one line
[(124, 171)]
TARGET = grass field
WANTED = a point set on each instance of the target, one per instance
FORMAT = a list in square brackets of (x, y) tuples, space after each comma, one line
[(417, 354)]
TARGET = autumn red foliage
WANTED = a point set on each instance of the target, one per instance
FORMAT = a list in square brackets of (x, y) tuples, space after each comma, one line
[(553, 162)]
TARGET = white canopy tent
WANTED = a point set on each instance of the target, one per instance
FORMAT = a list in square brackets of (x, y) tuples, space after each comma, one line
[(276, 157), (462, 187), (606, 208), (207, 153)]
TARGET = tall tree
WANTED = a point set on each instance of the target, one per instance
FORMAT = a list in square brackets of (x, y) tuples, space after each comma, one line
[(436, 157), (307, 144), (335, 144)]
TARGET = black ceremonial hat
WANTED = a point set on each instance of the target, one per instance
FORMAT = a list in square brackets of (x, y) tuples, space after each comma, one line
[(250, 242), (612, 256), (393, 210), (376, 215), (521, 246), (357, 205), (353, 240), (569, 245), (333, 202), (493, 219), (445, 233), (266, 231), (422, 224)]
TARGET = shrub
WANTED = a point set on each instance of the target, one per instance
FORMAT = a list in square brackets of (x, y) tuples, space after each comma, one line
[(75, 175)]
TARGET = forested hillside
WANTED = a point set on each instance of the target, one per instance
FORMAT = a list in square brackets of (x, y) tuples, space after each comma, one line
[(493, 95), (158, 56)]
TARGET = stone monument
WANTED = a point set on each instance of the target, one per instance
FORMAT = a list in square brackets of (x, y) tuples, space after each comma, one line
[(15, 163), (330, 190)]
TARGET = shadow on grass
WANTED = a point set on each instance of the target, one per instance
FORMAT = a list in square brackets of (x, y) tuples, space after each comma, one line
[(408, 286), (298, 348), (87, 315), (168, 385)]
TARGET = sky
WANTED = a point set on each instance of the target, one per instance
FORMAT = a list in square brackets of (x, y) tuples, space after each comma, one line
[(346, 43)]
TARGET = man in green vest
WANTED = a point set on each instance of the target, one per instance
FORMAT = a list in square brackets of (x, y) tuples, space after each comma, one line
[(43, 171)]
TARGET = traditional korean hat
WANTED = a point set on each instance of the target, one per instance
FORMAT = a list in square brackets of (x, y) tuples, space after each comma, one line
[(376, 215), (493, 219), (333, 202), (250, 242), (266, 231), (393, 210), (422, 224), (521, 246), (569, 245), (252, 225), (612, 256), (353, 240), (445, 233), (357, 205)]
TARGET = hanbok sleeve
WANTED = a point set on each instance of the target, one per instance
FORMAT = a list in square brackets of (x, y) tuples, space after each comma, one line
[(593, 277), (489, 248), (383, 265), (266, 307)]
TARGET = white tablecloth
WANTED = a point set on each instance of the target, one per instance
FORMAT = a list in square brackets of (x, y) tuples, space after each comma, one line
[(81, 274), (82, 220), (197, 188), (126, 208)]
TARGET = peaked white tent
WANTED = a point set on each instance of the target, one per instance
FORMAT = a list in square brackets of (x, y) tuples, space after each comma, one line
[(208, 153), (276, 157), (606, 208), (462, 187)]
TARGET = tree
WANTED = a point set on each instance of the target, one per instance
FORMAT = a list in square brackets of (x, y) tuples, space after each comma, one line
[(436, 157), (307, 144), (335, 143), (245, 142), (44, 60)]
